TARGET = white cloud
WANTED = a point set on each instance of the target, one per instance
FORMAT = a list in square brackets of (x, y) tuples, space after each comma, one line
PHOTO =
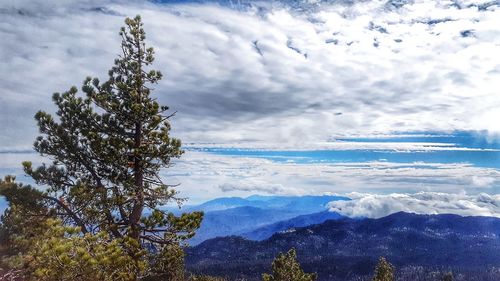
[(257, 187), (342, 145), (384, 69), (205, 175), (376, 206)]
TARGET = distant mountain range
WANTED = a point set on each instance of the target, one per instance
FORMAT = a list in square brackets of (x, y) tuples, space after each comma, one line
[(307, 203), (420, 246), (267, 231), (258, 217), (236, 221)]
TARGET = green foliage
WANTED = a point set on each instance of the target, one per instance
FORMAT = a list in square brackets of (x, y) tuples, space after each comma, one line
[(286, 268), (384, 271), (106, 149), (62, 253), (168, 264), (24, 218)]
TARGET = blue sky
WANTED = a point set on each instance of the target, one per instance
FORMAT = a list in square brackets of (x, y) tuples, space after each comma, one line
[(456, 147), (431, 161), (280, 97)]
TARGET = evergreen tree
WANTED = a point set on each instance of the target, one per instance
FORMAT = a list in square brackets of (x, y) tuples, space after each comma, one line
[(286, 268), (106, 149), (384, 271)]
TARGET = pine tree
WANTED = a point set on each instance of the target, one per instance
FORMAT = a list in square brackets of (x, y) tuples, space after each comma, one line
[(106, 149), (286, 268), (384, 271)]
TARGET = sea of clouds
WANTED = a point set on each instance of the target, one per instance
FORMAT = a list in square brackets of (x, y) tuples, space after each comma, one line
[(203, 176), (377, 206)]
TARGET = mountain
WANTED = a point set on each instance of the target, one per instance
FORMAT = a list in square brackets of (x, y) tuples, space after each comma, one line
[(347, 249), (236, 221), (223, 204), (299, 221), (305, 204), (237, 216)]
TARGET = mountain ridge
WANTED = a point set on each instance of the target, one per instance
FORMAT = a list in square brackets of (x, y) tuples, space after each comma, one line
[(346, 249), (267, 231), (241, 216)]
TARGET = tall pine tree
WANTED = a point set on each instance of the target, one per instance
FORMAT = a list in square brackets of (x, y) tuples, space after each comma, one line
[(107, 148), (384, 271), (285, 267)]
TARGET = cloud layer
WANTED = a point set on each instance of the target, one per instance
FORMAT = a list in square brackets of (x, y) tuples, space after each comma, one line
[(204, 176), (377, 206), (269, 72)]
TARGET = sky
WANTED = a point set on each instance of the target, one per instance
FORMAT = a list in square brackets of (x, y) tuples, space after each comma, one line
[(376, 99)]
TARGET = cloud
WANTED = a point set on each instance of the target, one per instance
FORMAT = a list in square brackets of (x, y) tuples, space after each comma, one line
[(257, 187), (396, 146), (376, 206), (206, 175), (271, 74), (203, 176)]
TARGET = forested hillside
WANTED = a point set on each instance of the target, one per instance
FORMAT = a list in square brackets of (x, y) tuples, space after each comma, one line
[(419, 246)]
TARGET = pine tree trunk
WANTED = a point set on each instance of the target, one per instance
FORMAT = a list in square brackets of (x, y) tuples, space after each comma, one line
[(139, 181), (138, 169)]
